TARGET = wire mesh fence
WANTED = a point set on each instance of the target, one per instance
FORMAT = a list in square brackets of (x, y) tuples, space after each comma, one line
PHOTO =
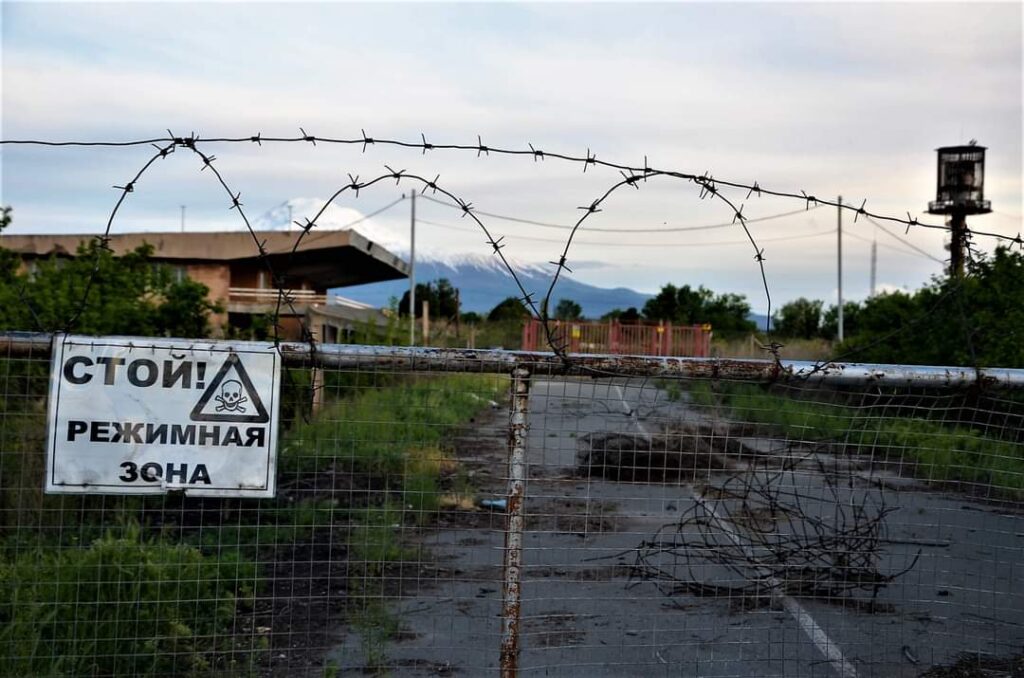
[(735, 529), (485, 512)]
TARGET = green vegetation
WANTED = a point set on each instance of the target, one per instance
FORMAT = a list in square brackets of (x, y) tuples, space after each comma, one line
[(128, 294), (941, 452), (509, 308), (567, 309), (800, 319), (376, 626), (630, 315), (673, 389), (169, 592), (125, 605), (441, 297), (390, 438), (373, 429), (392, 435), (974, 321), (727, 313)]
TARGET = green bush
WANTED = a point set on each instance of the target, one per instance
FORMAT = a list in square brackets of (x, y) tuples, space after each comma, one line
[(122, 606), (974, 321)]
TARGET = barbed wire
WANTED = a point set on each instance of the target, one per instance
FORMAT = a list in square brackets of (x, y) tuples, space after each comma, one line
[(588, 160), (595, 229), (707, 185)]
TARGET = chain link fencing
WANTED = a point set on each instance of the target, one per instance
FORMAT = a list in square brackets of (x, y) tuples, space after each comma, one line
[(443, 512)]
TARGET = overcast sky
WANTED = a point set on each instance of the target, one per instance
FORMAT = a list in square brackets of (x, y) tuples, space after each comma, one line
[(847, 99)]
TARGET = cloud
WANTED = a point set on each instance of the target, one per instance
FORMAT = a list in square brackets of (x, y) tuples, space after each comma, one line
[(826, 98)]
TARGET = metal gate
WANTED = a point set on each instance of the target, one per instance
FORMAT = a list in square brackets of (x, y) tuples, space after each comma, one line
[(483, 512)]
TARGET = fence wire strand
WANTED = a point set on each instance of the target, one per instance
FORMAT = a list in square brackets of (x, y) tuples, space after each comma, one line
[(691, 525), (450, 512), (707, 184)]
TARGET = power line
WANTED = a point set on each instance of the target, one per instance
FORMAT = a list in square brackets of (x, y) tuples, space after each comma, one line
[(707, 183), (904, 241), (894, 248), (325, 233), (670, 229), (801, 236)]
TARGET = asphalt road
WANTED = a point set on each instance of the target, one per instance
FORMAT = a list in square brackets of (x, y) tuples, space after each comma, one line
[(583, 615)]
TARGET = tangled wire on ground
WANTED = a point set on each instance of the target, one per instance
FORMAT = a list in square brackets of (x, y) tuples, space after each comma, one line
[(767, 533)]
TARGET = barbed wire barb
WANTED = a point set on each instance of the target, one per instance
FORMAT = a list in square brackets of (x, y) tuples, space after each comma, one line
[(709, 187), (589, 159)]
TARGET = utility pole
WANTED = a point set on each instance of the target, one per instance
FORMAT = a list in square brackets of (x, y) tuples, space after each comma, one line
[(839, 212), (426, 322), (874, 264), (182, 218), (412, 269), (458, 312)]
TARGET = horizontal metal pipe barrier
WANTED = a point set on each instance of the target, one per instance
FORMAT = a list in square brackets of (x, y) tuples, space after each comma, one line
[(585, 365)]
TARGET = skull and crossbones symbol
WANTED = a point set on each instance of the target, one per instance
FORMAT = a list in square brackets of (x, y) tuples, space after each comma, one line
[(231, 398)]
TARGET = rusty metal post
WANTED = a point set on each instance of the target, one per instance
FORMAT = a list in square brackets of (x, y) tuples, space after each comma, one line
[(513, 561)]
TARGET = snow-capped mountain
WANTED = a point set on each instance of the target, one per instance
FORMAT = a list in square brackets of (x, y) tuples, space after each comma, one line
[(335, 217), (482, 279), (483, 282)]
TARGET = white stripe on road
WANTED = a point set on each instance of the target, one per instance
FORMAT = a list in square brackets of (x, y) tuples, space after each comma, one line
[(828, 647), (630, 412), (825, 645)]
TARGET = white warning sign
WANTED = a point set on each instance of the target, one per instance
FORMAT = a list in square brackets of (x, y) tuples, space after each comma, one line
[(147, 416)]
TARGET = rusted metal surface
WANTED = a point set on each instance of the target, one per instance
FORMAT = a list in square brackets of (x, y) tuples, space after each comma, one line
[(585, 365), (513, 560), (25, 343)]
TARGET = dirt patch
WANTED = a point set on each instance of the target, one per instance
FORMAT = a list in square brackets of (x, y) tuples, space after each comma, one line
[(299, 606), (682, 452), (439, 668), (572, 516), (594, 574), (978, 666), (555, 629)]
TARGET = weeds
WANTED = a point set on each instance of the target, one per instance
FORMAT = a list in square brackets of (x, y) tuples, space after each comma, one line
[(96, 585), (375, 626), (372, 430), (125, 605), (941, 452), (388, 438)]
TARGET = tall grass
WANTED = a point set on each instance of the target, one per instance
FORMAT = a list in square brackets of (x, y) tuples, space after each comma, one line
[(389, 435), (125, 605), (375, 430), (96, 585), (941, 452)]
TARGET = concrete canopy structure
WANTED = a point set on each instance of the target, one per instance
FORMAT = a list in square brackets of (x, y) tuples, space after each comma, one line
[(228, 263)]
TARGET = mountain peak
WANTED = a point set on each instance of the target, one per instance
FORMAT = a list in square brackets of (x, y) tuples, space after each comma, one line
[(334, 217), (481, 276)]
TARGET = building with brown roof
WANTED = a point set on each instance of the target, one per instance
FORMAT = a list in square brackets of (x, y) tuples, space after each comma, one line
[(228, 263)]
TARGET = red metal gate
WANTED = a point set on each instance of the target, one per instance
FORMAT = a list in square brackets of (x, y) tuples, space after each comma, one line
[(617, 338)]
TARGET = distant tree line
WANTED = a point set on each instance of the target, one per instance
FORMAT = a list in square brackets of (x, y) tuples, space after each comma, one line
[(727, 313)]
